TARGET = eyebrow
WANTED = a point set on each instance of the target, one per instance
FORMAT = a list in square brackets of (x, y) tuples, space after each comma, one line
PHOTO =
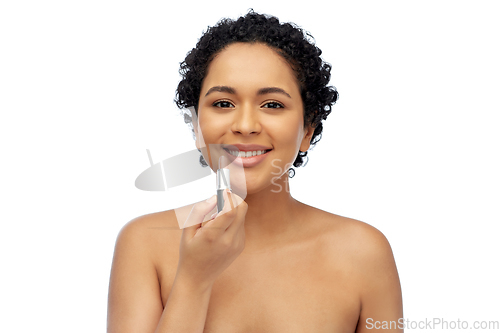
[(225, 89), (271, 90), (262, 91)]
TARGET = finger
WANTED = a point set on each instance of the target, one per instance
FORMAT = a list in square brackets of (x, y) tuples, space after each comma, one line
[(231, 201), (228, 196), (225, 217), (197, 215), (239, 220)]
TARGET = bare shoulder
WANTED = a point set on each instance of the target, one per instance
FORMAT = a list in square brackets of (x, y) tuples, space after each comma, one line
[(357, 240), (134, 300), (156, 234), (364, 253), (149, 225)]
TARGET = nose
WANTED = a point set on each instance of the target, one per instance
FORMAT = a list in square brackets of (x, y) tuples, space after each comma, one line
[(246, 120)]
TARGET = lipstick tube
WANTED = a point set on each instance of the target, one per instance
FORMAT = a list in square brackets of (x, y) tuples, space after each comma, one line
[(222, 184)]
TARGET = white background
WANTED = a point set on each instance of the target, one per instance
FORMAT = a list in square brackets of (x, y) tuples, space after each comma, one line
[(411, 147)]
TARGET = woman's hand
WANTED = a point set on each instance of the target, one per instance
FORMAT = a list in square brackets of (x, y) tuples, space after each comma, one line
[(205, 252)]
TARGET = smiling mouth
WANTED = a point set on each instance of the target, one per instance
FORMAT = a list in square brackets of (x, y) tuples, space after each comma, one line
[(245, 154)]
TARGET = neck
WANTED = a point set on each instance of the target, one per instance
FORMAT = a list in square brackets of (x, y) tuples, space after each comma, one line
[(271, 216)]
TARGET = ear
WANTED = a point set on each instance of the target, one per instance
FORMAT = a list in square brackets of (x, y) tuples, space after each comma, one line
[(194, 123), (197, 137), (306, 141), (196, 134)]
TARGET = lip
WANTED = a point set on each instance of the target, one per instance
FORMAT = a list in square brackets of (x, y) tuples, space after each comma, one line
[(245, 147), (247, 162)]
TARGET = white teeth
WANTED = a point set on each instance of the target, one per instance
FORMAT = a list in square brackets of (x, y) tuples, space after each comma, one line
[(247, 154)]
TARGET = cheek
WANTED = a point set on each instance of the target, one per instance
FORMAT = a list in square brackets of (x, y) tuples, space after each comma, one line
[(287, 132), (210, 126)]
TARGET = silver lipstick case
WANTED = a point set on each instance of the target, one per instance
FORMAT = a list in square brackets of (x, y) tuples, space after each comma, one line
[(222, 184)]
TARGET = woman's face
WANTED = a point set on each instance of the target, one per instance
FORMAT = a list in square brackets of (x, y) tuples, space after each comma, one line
[(250, 95)]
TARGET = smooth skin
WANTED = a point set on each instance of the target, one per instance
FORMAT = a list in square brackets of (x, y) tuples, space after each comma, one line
[(270, 264)]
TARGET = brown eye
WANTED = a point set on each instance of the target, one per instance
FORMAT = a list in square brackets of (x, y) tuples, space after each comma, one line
[(223, 104), (273, 105)]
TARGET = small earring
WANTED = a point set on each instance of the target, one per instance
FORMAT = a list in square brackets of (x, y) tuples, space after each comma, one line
[(202, 161)]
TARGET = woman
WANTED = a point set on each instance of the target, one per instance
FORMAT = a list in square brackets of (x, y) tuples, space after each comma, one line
[(269, 263)]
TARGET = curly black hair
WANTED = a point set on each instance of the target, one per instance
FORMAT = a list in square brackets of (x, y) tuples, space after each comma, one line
[(288, 40)]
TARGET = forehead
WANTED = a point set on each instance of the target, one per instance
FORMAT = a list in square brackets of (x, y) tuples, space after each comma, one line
[(250, 66)]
